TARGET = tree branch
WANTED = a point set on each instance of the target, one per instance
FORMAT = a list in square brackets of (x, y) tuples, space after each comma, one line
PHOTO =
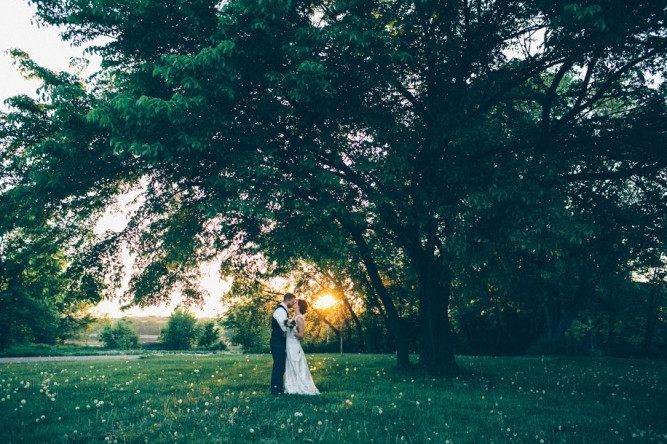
[(325, 320), (551, 95), (605, 87)]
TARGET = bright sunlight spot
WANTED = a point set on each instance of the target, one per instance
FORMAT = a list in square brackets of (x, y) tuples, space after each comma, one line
[(325, 301)]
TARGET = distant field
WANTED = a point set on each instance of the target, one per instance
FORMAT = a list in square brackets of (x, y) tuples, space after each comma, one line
[(93, 341), (148, 329), (223, 398)]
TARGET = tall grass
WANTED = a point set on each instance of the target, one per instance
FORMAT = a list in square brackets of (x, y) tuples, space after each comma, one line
[(224, 398)]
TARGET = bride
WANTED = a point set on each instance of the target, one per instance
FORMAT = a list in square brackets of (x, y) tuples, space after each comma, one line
[(297, 374)]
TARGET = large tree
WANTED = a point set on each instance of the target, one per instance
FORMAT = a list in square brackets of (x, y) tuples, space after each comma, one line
[(54, 182), (395, 126)]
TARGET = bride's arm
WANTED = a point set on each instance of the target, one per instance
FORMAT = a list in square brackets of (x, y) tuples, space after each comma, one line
[(301, 324)]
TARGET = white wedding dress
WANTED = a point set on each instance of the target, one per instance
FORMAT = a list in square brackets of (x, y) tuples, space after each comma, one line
[(298, 380)]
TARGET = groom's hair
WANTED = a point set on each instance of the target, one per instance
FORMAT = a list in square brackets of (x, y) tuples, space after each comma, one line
[(288, 296)]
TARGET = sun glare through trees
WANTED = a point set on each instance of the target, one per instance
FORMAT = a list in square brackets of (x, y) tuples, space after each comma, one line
[(325, 301)]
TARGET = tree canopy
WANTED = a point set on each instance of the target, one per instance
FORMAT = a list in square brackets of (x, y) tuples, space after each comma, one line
[(442, 145)]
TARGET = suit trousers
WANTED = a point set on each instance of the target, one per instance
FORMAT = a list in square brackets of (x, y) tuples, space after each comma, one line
[(278, 370)]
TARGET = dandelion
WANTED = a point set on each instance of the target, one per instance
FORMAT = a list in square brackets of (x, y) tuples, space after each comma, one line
[(252, 430)]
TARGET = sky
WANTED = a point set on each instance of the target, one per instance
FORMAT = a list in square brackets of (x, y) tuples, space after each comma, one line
[(18, 30), (116, 219)]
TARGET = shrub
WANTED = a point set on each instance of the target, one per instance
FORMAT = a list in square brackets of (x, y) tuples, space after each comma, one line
[(210, 334), (181, 332), (218, 346), (249, 325), (120, 336)]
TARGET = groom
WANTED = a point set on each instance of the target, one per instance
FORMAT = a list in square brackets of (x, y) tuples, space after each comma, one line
[(277, 342)]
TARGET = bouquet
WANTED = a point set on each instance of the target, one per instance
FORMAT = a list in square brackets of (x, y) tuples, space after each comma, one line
[(290, 323)]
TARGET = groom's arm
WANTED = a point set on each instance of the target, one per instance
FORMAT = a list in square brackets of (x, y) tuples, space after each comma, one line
[(280, 315)]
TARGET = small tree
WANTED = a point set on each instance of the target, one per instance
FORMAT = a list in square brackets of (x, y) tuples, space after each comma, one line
[(120, 336), (181, 331), (248, 324), (210, 334)]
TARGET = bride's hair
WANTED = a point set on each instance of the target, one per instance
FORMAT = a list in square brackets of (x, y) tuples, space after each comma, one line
[(303, 306)]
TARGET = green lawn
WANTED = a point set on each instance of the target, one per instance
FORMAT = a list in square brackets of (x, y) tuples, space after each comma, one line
[(62, 350), (224, 398), (80, 350)]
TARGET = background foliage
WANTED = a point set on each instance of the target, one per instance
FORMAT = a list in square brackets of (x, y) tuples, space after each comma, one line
[(464, 176)]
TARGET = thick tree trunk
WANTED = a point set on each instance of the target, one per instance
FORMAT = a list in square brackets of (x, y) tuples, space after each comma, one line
[(435, 280), (437, 352)]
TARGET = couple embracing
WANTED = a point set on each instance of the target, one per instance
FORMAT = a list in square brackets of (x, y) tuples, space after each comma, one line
[(289, 360)]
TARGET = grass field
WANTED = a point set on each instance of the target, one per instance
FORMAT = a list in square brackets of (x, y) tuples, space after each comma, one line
[(224, 398), (82, 350), (61, 350)]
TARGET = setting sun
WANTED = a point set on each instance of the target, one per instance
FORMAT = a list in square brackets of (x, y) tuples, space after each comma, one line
[(325, 301)]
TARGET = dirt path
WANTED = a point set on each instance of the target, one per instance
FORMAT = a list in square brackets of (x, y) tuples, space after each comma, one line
[(18, 360)]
